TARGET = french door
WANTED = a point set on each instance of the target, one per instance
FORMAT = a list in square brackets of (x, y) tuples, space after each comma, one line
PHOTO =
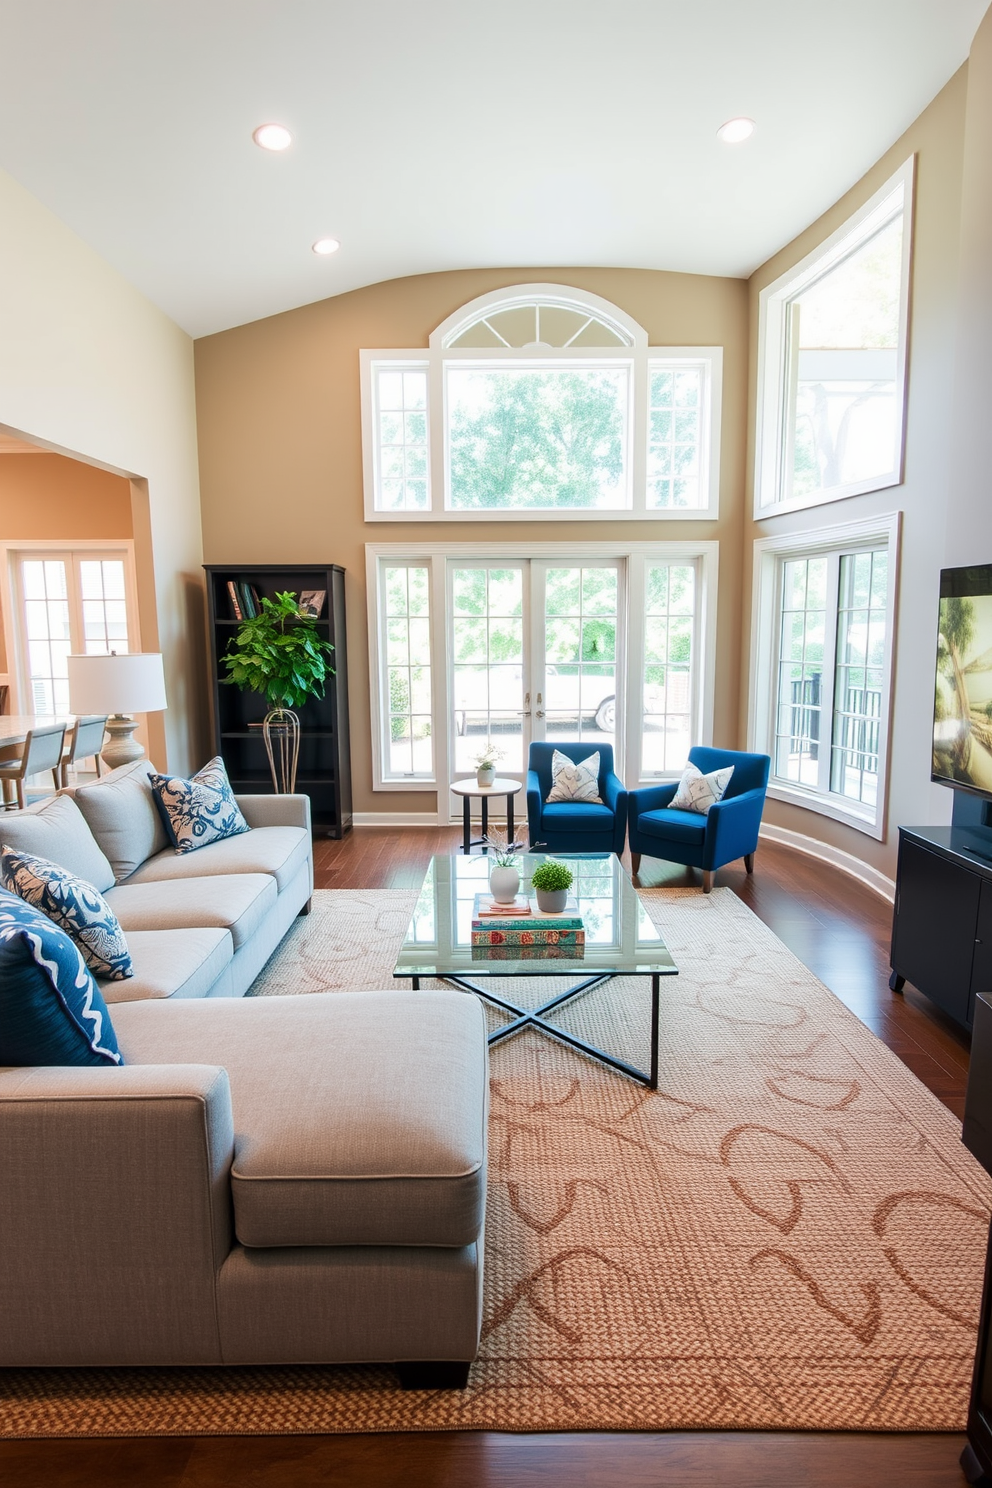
[(71, 601), (535, 651)]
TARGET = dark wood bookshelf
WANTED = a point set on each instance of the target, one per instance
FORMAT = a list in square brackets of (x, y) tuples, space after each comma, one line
[(324, 772)]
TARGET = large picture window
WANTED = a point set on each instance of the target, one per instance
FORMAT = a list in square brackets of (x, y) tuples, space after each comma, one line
[(821, 673), (832, 361), (575, 643), (541, 400)]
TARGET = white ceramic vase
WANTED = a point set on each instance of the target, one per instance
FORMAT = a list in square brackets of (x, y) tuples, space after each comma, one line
[(504, 884), (485, 777)]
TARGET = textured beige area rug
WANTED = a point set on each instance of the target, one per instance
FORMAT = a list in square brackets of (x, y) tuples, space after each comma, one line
[(788, 1234)]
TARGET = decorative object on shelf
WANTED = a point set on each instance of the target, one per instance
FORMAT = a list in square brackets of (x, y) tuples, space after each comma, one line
[(119, 685), (551, 881), (485, 764), (312, 602), (281, 654), (504, 876)]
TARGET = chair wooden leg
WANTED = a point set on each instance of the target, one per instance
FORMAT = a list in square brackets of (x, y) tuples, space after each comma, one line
[(749, 862), (21, 799), (635, 864), (708, 877)]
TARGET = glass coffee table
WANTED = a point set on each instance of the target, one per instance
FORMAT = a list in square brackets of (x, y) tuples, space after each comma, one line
[(620, 941)]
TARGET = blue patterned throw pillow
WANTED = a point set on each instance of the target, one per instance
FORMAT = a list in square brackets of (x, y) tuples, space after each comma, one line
[(72, 904), (199, 810), (51, 1010)]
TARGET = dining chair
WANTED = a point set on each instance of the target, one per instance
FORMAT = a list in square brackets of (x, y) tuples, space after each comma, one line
[(85, 741), (42, 751)]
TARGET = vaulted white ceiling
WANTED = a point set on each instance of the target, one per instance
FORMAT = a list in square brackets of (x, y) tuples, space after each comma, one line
[(450, 134)]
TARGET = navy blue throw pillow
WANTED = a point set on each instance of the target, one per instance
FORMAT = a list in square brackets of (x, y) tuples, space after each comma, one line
[(51, 1009)]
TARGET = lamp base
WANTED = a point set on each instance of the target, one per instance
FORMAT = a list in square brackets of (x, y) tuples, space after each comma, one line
[(121, 749)]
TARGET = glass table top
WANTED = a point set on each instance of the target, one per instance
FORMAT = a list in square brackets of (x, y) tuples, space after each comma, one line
[(620, 937)]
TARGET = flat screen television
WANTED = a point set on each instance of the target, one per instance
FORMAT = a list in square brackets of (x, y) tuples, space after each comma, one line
[(962, 715)]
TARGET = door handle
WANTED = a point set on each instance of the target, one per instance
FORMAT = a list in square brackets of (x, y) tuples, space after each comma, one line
[(540, 713)]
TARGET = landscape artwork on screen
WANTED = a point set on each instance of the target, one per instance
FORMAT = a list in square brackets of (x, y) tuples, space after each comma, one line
[(962, 719)]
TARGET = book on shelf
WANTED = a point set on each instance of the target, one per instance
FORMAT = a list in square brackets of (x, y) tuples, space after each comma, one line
[(248, 600), (232, 590)]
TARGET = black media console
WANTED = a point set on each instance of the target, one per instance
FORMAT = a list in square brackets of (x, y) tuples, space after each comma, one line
[(942, 927)]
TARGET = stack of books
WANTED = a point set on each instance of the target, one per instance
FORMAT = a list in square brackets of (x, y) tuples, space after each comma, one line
[(513, 932)]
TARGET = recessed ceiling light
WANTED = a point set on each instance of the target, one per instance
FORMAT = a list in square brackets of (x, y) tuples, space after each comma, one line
[(324, 246), (272, 136), (735, 131)]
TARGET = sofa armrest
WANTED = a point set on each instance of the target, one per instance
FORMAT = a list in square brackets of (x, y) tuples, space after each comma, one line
[(116, 1213), (614, 794), (732, 825), (533, 804), (651, 798), (276, 811)]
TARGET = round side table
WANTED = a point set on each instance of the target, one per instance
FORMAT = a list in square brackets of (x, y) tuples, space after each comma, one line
[(467, 789)]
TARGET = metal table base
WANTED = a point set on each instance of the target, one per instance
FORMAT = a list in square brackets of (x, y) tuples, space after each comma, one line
[(534, 1018)]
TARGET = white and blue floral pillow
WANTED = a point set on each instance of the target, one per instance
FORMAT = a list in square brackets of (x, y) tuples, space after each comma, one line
[(72, 904), (51, 1009), (200, 810)]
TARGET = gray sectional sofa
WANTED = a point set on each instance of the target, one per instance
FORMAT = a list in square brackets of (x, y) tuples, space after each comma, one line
[(293, 1179)]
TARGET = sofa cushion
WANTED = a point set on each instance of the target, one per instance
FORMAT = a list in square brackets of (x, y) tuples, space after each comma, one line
[(200, 810), (359, 1117), (57, 830), (675, 826), (171, 963), (238, 902), (123, 817), (279, 851), (72, 904), (51, 1009)]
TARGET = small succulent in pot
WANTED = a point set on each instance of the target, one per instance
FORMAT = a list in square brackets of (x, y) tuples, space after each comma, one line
[(551, 881)]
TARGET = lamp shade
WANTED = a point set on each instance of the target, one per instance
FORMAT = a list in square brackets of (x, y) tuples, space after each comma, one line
[(132, 683)]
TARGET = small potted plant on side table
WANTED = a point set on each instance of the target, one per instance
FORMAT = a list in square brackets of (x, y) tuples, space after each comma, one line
[(485, 765), (551, 881)]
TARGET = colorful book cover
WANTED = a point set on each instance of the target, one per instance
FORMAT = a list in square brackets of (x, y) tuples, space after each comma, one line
[(528, 952), (232, 590), (568, 919), (518, 936)]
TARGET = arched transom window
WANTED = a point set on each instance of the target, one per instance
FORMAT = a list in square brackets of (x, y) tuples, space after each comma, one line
[(541, 399)]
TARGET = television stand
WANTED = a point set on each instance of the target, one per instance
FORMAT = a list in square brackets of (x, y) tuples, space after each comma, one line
[(942, 926)]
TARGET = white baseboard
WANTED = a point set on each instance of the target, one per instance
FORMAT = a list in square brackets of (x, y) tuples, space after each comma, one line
[(397, 819), (845, 861)]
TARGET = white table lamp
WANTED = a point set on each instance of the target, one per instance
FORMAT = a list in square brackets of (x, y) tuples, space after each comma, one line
[(118, 685)]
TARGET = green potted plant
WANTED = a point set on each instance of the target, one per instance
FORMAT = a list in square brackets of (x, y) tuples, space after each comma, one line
[(281, 654), (551, 881)]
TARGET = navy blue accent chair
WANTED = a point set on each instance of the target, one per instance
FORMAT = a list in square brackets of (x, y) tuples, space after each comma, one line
[(575, 826), (728, 831)]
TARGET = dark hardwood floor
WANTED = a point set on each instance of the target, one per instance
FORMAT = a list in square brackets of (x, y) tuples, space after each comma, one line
[(840, 929)]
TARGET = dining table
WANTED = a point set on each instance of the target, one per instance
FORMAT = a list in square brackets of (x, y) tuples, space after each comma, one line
[(14, 730)]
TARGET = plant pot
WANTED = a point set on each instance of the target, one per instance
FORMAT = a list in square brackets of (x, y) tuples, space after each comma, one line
[(485, 777), (504, 884), (551, 901), (281, 732)]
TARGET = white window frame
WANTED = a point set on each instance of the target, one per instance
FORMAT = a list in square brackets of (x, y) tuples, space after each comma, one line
[(11, 600), (635, 556), (772, 424), (636, 354), (770, 553)]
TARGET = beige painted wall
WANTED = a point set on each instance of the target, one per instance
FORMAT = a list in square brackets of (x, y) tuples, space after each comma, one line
[(279, 425), (969, 507), (47, 498), (937, 137), (89, 367)]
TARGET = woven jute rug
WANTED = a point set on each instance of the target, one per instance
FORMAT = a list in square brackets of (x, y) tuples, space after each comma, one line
[(788, 1234)]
